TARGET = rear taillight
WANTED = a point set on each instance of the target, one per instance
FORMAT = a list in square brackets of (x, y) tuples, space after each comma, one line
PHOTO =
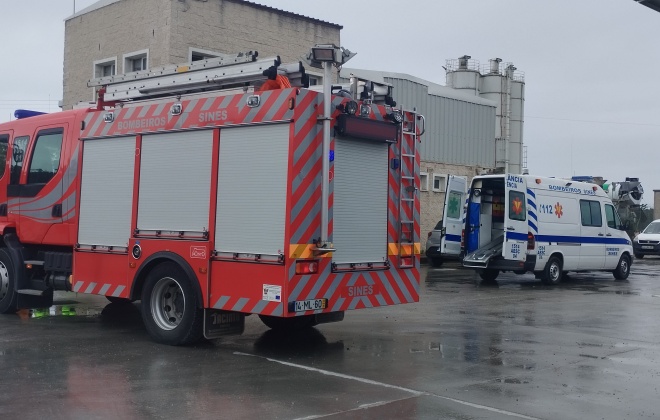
[(462, 238), (407, 261), (307, 267), (531, 241), (429, 235)]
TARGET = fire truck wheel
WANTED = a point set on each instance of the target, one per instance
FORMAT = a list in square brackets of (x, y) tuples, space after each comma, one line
[(623, 268), (552, 273), (8, 295), (295, 323), (169, 306)]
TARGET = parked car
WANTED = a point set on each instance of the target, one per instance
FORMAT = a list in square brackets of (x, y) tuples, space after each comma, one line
[(648, 241), (433, 245)]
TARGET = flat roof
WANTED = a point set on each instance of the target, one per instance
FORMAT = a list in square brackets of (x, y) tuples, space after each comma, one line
[(434, 88), (103, 3)]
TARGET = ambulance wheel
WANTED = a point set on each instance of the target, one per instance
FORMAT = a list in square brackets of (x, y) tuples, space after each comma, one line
[(169, 306), (295, 323), (622, 270), (489, 274), (639, 256), (436, 262), (552, 273), (8, 296)]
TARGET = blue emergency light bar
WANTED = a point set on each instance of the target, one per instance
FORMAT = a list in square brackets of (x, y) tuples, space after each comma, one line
[(26, 113)]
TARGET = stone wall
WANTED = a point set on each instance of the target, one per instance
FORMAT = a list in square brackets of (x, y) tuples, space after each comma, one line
[(231, 26), (169, 28), (111, 32)]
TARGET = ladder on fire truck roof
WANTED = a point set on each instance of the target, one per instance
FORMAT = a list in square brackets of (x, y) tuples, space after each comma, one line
[(228, 70)]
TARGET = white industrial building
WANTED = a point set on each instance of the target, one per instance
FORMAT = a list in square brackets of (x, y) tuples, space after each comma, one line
[(474, 124)]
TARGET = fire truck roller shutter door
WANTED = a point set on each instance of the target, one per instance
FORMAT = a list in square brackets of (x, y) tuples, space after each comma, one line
[(252, 189), (106, 192), (175, 180), (360, 201)]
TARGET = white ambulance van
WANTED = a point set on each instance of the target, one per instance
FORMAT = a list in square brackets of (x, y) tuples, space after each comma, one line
[(547, 226)]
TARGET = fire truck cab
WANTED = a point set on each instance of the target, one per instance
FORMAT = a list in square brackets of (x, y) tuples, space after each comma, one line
[(200, 190)]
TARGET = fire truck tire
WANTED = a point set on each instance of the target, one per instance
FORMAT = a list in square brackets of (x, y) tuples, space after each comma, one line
[(296, 323), (169, 306), (8, 295)]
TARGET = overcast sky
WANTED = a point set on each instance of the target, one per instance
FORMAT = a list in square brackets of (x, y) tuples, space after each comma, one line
[(592, 67)]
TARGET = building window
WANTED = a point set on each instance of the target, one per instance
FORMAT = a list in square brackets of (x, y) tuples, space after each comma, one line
[(136, 61), (315, 80), (423, 181), (106, 67), (196, 54), (439, 183)]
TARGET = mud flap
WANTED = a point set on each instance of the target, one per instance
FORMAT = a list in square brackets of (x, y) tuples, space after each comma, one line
[(32, 299), (218, 323)]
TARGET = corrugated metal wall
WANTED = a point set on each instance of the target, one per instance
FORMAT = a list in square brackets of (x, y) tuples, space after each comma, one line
[(457, 132)]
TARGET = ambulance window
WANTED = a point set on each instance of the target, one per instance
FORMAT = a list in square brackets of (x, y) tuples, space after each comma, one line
[(591, 214), (17, 155), (517, 209), (454, 205), (4, 144), (46, 156), (612, 217)]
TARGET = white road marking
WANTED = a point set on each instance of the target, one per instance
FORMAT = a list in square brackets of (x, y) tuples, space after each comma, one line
[(360, 407), (382, 384)]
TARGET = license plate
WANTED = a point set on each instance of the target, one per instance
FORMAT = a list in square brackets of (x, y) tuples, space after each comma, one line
[(647, 247), (310, 305)]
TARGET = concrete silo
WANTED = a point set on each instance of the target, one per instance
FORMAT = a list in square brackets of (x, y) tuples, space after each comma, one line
[(500, 83)]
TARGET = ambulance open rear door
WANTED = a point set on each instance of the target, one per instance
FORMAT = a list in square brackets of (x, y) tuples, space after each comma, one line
[(453, 219), (515, 219)]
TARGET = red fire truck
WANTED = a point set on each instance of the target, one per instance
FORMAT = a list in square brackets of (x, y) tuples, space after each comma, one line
[(199, 189)]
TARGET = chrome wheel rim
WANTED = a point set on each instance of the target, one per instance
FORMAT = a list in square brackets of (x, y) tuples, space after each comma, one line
[(554, 272), (624, 266), (167, 303), (4, 280)]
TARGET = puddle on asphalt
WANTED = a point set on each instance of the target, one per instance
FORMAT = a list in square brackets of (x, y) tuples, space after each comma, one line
[(511, 381)]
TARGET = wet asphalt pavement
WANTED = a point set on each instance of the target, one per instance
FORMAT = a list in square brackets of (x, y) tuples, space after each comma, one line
[(588, 348)]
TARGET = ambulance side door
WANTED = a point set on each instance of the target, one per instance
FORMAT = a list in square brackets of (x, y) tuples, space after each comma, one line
[(592, 232), (515, 219), (454, 215), (616, 237)]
